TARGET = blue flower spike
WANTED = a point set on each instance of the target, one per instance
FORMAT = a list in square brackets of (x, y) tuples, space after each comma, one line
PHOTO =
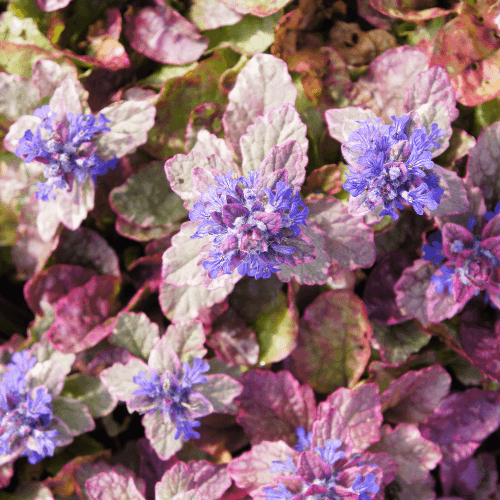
[(253, 228), (25, 413), (393, 168), (66, 149)]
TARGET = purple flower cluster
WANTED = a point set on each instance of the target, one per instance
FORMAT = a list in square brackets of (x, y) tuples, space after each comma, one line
[(322, 474), (393, 168), (472, 261), (254, 228), (172, 394), (25, 413), (65, 148)]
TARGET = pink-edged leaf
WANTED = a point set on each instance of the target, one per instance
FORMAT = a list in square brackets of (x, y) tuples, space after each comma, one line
[(163, 357), (112, 486), (233, 341), (251, 469), (19, 96), (136, 333), (414, 454), (409, 11), (349, 240), (273, 405), (311, 467), (211, 480), (52, 5), (74, 414), (372, 15), (486, 356), (186, 338), (411, 288), (118, 378), (432, 85), (442, 305), (263, 84), (334, 341), (163, 35), (388, 77), (361, 411), (53, 283), (130, 122), (462, 421), (314, 272), (209, 144), (180, 261), (342, 122), (452, 232), (475, 477), (212, 14), (48, 74), (276, 128), (177, 479), (436, 112), (260, 8), (87, 248), (220, 390), (6, 472), (187, 302), (51, 369), (483, 163), (81, 315), (160, 432), (332, 425), (413, 397), (379, 295), (454, 199)]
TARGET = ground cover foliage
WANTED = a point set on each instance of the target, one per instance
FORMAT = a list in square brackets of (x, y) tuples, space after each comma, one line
[(249, 250)]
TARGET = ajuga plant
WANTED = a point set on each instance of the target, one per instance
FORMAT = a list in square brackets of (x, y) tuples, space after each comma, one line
[(242, 260)]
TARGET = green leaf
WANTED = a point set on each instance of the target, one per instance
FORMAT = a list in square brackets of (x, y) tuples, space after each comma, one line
[(485, 114), (249, 36), (74, 414), (168, 72), (136, 333), (91, 392), (22, 31), (147, 200), (9, 221), (276, 328), (198, 86)]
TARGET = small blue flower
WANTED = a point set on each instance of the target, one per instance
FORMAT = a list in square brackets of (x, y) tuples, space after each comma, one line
[(367, 485), (445, 280), (25, 414), (304, 441), (172, 393), (393, 168), (434, 252), (65, 148), (253, 227), (490, 215), (281, 494), (328, 453)]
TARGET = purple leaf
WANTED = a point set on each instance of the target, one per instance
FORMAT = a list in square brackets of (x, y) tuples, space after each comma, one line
[(361, 411), (177, 479), (52, 5), (251, 469), (211, 480), (53, 283), (273, 405), (314, 272), (411, 290), (482, 162), (118, 378), (163, 35), (461, 422), (334, 341), (349, 240), (112, 486), (379, 295), (276, 128), (311, 467), (413, 397), (212, 14), (414, 454), (441, 305), (136, 333), (432, 85), (263, 84), (87, 248), (454, 200), (332, 425), (343, 121), (6, 472), (80, 315)]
